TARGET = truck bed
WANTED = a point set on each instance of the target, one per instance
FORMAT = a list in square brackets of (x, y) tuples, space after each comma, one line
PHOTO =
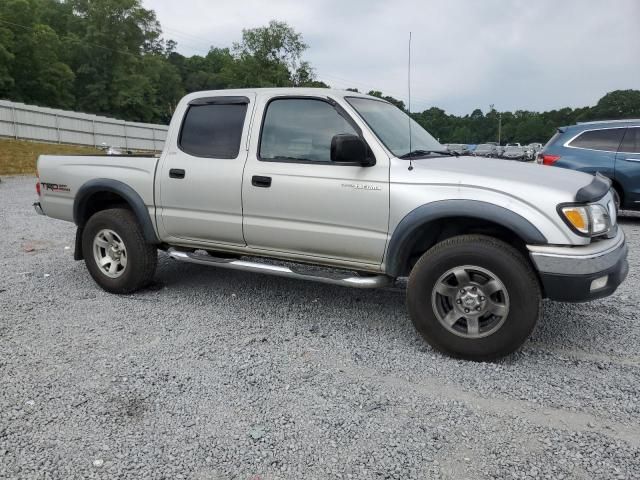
[(62, 175)]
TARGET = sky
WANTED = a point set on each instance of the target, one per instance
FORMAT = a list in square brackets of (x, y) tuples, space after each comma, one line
[(466, 54)]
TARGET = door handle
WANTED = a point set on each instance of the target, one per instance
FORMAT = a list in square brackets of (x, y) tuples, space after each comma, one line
[(262, 182), (176, 173), (632, 159)]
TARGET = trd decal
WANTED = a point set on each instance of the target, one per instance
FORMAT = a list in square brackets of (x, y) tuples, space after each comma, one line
[(55, 187)]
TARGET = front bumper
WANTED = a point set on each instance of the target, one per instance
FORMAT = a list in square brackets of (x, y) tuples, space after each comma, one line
[(580, 274)]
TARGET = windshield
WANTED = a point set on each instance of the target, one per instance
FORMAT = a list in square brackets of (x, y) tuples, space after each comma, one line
[(391, 126)]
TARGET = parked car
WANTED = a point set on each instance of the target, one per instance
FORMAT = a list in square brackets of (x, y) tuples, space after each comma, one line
[(531, 150), (327, 178), (458, 148), (110, 150), (486, 150), (529, 153), (499, 148), (513, 153), (611, 148)]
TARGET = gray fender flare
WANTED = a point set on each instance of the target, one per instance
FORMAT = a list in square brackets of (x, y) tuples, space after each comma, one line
[(129, 195), (397, 253)]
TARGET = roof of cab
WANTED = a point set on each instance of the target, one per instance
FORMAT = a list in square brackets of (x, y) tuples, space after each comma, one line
[(318, 92)]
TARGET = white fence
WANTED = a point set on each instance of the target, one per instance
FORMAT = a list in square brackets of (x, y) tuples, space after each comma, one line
[(29, 122)]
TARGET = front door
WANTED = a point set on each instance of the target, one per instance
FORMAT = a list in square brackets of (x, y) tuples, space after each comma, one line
[(297, 201), (200, 185), (628, 167)]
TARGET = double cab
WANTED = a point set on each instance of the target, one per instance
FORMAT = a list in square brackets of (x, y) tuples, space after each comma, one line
[(343, 188)]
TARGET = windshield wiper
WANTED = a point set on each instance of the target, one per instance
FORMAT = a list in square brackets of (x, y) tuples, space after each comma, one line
[(424, 153)]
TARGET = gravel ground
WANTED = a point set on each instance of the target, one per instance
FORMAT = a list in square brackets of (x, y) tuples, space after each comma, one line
[(215, 374)]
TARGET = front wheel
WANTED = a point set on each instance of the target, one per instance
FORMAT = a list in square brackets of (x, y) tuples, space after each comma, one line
[(474, 297), (116, 253)]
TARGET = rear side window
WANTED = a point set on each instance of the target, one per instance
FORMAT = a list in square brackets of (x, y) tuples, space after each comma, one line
[(607, 139), (631, 142), (213, 131)]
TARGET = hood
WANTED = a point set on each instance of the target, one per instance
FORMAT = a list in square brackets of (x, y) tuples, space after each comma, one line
[(530, 182)]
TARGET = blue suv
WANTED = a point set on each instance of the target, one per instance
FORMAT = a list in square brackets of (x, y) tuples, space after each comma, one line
[(610, 147)]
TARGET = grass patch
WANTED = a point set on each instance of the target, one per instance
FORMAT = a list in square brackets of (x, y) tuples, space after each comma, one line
[(19, 156)]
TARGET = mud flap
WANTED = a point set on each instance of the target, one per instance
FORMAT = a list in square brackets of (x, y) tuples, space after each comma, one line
[(77, 253)]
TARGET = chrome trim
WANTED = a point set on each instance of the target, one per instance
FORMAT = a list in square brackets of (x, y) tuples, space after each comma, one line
[(375, 281), (38, 208), (631, 159), (599, 122), (595, 257)]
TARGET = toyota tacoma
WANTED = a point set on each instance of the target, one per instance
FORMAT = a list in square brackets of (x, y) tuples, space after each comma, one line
[(346, 189)]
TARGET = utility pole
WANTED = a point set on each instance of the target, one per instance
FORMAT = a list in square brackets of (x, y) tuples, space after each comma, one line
[(491, 107)]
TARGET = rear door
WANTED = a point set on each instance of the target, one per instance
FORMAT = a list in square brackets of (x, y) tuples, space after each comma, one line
[(200, 184), (628, 167)]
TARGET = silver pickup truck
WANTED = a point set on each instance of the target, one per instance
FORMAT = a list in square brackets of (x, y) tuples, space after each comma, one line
[(343, 188)]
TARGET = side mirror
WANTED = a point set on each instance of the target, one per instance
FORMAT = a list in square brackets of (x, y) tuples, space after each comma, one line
[(347, 148)]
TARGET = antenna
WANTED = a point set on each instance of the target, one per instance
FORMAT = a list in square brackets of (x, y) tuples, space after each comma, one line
[(409, 102)]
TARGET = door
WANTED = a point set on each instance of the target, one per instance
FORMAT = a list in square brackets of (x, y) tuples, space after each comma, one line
[(297, 201), (200, 185), (628, 167)]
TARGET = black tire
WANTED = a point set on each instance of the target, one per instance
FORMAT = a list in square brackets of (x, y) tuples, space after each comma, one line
[(523, 297), (141, 257)]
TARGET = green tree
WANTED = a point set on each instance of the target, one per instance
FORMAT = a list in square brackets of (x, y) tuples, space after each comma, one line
[(109, 57), (398, 103), (273, 44), (617, 104), (271, 56)]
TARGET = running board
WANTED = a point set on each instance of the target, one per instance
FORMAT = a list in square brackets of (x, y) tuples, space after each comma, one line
[(374, 281)]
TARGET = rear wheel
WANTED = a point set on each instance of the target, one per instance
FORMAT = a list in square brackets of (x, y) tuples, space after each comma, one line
[(474, 297), (116, 253)]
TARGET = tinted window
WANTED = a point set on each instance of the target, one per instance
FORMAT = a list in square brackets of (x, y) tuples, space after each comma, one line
[(607, 139), (213, 130), (631, 142), (301, 129)]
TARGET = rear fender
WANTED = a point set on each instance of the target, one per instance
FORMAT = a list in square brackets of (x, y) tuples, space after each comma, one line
[(81, 204)]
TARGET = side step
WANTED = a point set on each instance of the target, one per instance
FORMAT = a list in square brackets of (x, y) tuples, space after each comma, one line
[(374, 281)]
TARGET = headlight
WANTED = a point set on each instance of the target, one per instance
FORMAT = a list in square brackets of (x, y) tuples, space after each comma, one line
[(588, 220), (600, 220)]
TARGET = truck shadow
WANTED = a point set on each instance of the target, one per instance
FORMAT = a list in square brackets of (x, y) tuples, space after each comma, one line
[(336, 310)]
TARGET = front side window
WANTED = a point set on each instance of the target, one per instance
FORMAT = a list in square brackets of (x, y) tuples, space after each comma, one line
[(606, 139), (631, 142), (213, 130), (301, 129), (391, 125)]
